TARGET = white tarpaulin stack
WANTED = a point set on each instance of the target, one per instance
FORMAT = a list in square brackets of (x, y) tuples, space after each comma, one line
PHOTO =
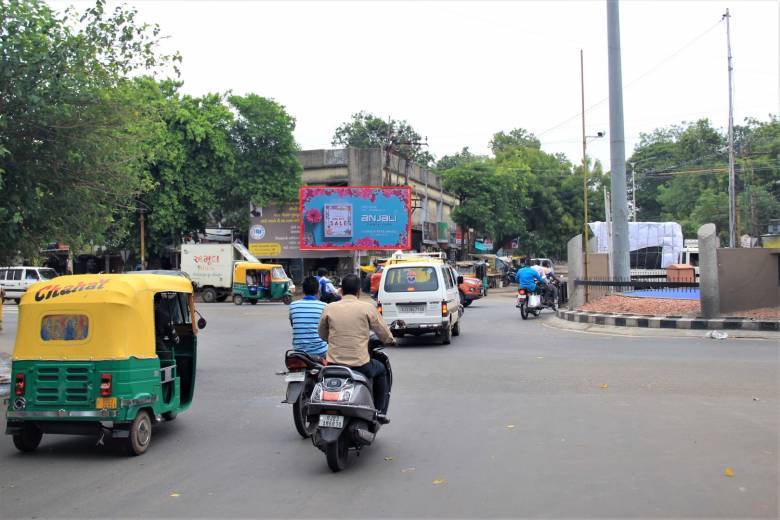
[(666, 235)]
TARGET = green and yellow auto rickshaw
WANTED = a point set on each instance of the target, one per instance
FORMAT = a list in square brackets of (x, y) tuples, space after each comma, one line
[(256, 282), (107, 355)]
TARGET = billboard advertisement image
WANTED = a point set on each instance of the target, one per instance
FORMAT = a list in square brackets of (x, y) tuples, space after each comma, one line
[(357, 217)]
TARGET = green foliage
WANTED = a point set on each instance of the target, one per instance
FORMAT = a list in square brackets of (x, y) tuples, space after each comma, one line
[(463, 157), (522, 193), (675, 178), (519, 137), (70, 147), (365, 130)]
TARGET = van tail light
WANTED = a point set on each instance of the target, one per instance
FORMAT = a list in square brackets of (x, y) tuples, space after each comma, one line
[(379, 307), (444, 309), (105, 385), (294, 363), (19, 385)]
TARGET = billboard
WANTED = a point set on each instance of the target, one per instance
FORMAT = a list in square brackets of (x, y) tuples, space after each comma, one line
[(355, 218), (275, 232)]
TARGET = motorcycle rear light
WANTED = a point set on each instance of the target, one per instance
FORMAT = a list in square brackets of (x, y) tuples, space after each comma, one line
[(331, 396), (105, 385), (521, 291), (294, 363), (19, 385)]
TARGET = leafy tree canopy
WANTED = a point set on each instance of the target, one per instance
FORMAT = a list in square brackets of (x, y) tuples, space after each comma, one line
[(365, 130)]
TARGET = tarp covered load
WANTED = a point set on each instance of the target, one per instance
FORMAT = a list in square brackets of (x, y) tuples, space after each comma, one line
[(666, 235)]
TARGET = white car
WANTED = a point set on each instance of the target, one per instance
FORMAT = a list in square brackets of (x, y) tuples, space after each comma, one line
[(16, 280), (420, 296)]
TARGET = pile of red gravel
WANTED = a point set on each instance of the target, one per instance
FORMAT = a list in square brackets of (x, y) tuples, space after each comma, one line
[(665, 307)]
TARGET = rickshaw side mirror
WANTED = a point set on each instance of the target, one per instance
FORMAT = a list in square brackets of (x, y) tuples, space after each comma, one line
[(460, 280), (201, 323)]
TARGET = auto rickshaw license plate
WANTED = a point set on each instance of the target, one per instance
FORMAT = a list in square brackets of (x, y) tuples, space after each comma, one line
[(331, 421), (105, 402)]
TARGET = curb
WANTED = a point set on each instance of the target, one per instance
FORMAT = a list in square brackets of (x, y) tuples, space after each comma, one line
[(668, 322)]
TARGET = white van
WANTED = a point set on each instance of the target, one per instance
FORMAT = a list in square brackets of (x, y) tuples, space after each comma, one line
[(16, 280), (419, 295)]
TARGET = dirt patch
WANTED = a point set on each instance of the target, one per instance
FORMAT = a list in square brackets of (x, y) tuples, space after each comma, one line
[(665, 307), (649, 306)]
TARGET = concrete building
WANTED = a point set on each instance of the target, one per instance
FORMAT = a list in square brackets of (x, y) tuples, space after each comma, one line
[(432, 225)]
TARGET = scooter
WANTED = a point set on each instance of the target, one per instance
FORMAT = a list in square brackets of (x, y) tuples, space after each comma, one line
[(342, 407), (301, 378)]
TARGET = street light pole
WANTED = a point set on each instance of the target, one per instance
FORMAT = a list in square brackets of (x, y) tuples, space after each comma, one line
[(732, 174), (584, 177)]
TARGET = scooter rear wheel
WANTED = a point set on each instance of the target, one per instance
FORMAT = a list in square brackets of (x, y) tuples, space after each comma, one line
[(337, 454)]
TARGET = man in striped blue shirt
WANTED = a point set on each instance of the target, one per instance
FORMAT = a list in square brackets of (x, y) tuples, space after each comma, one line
[(305, 317)]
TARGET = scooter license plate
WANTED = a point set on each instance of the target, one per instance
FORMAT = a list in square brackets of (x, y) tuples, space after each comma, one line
[(331, 421), (294, 377)]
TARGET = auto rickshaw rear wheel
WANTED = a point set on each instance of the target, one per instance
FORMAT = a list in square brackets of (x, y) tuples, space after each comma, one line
[(238, 299), (287, 299), (169, 416), (253, 302), (29, 438), (140, 434)]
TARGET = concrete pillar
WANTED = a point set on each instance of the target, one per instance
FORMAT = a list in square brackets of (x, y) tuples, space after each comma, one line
[(575, 267), (708, 271)]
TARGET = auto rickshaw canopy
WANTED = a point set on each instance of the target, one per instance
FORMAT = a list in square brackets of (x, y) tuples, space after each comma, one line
[(276, 270), (92, 317)]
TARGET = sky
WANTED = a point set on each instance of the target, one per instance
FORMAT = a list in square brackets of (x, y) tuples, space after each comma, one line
[(461, 71)]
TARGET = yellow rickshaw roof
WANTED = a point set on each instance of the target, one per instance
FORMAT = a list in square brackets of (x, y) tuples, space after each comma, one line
[(118, 310)]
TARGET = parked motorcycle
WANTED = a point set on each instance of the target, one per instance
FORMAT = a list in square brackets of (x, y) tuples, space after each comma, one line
[(342, 408), (301, 378)]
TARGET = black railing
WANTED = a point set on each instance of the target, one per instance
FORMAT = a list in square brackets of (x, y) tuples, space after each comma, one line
[(639, 283)]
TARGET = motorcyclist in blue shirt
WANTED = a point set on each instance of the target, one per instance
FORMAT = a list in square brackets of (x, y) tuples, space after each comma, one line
[(529, 279)]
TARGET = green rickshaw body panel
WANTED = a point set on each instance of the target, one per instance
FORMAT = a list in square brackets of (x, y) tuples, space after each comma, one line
[(278, 291), (68, 390)]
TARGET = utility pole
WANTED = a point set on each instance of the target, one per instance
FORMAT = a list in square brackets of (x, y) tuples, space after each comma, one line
[(143, 259), (732, 174), (584, 177), (617, 147)]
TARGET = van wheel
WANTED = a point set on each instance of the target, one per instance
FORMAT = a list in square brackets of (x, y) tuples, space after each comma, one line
[(287, 299), (238, 299), (29, 439), (456, 329), (209, 295), (446, 335), (140, 434)]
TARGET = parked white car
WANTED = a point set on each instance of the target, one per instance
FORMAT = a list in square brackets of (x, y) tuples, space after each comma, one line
[(419, 295), (16, 280)]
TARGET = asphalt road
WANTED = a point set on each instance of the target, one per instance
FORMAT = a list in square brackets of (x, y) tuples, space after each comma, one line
[(513, 419)]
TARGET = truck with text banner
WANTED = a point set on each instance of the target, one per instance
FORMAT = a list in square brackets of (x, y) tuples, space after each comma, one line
[(210, 267)]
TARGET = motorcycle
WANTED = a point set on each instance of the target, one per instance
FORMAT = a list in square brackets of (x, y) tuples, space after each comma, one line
[(532, 302), (342, 407), (301, 378)]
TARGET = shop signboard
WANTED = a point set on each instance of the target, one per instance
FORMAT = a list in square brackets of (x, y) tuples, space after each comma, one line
[(443, 232), (354, 218)]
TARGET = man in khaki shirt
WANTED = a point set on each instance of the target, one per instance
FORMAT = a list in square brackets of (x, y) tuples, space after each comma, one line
[(345, 325)]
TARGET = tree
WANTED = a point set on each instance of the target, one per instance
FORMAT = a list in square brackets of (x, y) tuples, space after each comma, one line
[(519, 137), (71, 155), (267, 166), (463, 157), (366, 130)]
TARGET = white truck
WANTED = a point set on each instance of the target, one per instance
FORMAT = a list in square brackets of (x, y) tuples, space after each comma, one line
[(210, 267)]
